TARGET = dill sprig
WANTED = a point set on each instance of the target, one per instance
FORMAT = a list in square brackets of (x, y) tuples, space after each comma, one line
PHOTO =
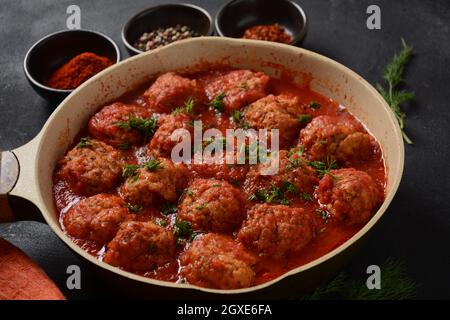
[(314, 105), (131, 170), (323, 168), (304, 119), (152, 165), (278, 195), (294, 162), (146, 126), (183, 229), (187, 108), (84, 143), (134, 208), (395, 285), (217, 103), (273, 194), (168, 208), (393, 75)]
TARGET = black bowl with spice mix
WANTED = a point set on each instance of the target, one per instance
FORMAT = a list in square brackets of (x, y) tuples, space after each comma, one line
[(160, 25), (58, 63), (281, 21)]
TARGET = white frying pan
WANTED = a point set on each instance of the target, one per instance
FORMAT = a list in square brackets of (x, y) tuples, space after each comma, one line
[(27, 171)]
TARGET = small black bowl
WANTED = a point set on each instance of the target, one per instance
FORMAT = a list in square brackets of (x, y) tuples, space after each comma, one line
[(164, 16), (52, 51), (238, 15)]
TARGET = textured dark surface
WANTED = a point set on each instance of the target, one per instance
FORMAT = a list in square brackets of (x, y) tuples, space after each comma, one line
[(417, 224)]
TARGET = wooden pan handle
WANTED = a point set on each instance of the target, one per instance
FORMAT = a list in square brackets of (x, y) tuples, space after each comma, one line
[(9, 174), (18, 180)]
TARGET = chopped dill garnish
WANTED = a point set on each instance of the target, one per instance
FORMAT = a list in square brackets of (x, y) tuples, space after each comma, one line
[(304, 119), (314, 105), (152, 165), (134, 208), (183, 229), (130, 170), (146, 126), (162, 222), (273, 194), (201, 206), (290, 187), (217, 103), (306, 196), (237, 116), (177, 111), (84, 143), (187, 108), (323, 168), (168, 208)]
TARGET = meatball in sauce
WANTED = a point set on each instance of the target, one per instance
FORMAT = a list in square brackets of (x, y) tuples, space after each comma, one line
[(110, 124), (213, 205), (237, 87), (91, 167), (96, 218), (217, 261)]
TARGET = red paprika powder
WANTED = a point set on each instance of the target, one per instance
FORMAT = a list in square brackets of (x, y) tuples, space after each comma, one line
[(77, 71), (272, 32)]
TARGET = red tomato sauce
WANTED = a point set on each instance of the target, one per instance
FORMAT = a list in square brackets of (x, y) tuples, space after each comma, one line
[(329, 234)]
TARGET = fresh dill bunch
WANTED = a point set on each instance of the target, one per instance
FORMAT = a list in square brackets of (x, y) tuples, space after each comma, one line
[(393, 75), (395, 285), (332, 290)]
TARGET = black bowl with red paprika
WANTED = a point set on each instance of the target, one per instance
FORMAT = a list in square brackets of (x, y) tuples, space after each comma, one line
[(58, 63), (281, 21)]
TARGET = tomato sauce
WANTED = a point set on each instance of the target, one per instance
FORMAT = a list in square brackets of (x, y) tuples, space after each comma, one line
[(329, 234)]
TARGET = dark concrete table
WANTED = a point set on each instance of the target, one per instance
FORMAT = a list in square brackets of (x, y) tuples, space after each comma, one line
[(417, 224)]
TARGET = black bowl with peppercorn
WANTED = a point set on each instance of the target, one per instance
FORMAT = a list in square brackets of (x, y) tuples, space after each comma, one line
[(160, 25), (58, 63), (281, 21)]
